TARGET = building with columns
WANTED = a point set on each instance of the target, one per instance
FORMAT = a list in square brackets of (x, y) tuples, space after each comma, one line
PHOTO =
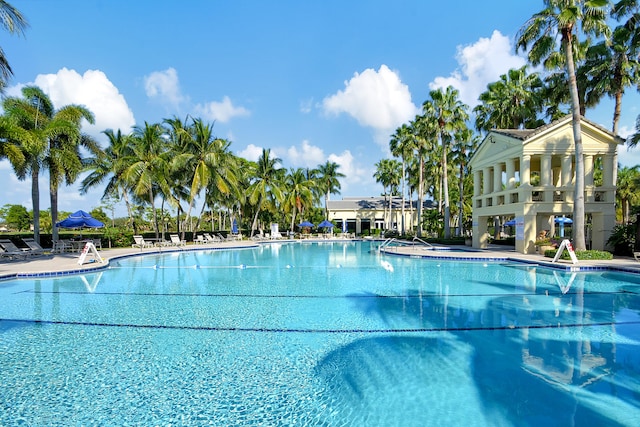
[(529, 175)]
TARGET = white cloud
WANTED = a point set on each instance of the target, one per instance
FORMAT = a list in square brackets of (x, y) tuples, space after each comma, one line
[(220, 111), (480, 64), (306, 156), (356, 176), (251, 152), (376, 99), (93, 90), (165, 87)]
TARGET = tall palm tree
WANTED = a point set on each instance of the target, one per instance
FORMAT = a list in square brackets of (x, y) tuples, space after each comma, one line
[(205, 159), (627, 190), (424, 133), (34, 114), (299, 193), (450, 115), (328, 181), (12, 21), (612, 66), (265, 183), (564, 19), (513, 102), (12, 137), (64, 159), (383, 176), (110, 165), (147, 169), (463, 147), (402, 145)]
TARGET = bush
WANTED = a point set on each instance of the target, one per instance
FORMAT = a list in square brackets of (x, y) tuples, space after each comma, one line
[(581, 255)]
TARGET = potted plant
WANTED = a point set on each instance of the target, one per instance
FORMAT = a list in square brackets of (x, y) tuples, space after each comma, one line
[(545, 244)]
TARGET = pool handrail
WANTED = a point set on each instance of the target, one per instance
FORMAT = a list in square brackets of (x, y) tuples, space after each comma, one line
[(422, 241)]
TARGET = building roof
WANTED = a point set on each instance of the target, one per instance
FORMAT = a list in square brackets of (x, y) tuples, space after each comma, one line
[(373, 203)]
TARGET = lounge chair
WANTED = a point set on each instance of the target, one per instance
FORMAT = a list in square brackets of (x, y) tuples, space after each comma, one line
[(62, 245), (34, 247), (210, 239), (175, 241), (140, 243), (199, 240), (636, 255), (11, 250)]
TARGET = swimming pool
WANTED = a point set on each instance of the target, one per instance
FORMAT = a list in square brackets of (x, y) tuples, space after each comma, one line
[(320, 334)]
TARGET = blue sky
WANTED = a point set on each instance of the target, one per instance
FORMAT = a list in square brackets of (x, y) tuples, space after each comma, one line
[(312, 81)]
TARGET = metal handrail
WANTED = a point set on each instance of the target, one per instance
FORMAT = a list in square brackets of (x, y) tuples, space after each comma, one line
[(422, 241)]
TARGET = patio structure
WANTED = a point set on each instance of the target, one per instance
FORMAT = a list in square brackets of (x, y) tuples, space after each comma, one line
[(529, 175), (365, 214)]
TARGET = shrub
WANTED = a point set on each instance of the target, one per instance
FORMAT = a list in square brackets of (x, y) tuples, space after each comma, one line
[(581, 255)]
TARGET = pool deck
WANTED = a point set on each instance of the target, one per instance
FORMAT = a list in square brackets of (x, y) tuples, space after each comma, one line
[(67, 263)]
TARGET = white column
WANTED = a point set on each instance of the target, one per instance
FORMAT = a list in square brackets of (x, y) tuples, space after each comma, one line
[(486, 182), (511, 173), (588, 170), (497, 178), (476, 183), (565, 177), (525, 169), (546, 173), (607, 170)]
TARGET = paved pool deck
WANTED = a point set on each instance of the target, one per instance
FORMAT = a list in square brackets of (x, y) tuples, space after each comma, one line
[(57, 264)]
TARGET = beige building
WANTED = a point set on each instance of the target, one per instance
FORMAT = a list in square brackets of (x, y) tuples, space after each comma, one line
[(365, 214), (529, 175)]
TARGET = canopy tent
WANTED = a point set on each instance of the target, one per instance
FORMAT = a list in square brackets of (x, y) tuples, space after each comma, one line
[(79, 219)]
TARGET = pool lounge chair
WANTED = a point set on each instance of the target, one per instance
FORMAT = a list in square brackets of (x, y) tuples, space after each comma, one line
[(199, 240), (636, 255), (34, 247), (11, 250), (175, 241), (140, 243)]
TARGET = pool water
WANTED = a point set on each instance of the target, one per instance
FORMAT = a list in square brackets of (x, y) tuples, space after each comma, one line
[(329, 334)]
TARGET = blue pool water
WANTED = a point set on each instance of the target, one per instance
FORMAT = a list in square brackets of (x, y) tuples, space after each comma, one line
[(320, 334)]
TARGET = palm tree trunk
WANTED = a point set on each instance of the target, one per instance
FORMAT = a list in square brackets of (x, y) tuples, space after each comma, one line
[(403, 182), (445, 184), (578, 198), (461, 201), (53, 197), (420, 190), (155, 214), (35, 201), (254, 224)]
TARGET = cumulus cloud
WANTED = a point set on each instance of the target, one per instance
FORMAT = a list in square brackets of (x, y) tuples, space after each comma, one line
[(93, 90), (480, 64), (356, 176), (305, 156), (251, 152), (376, 99), (221, 111), (164, 87)]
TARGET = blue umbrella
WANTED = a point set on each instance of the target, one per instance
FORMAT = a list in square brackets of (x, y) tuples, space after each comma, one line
[(234, 227), (325, 223), (306, 224), (562, 221), (510, 223), (79, 219), (344, 226)]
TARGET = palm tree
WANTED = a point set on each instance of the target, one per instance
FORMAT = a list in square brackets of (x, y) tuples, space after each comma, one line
[(265, 183), (450, 115), (424, 133), (299, 193), (612, 66), (383, 176), (328, 182), (35, 115), (109, 164), (64, 160), (463, 147), (402, 145), (513, 102), (147, 169), (627, 190), (561, 18), (12, 21)]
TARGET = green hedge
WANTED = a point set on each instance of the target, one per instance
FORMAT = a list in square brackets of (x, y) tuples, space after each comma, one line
[(581, 255)]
